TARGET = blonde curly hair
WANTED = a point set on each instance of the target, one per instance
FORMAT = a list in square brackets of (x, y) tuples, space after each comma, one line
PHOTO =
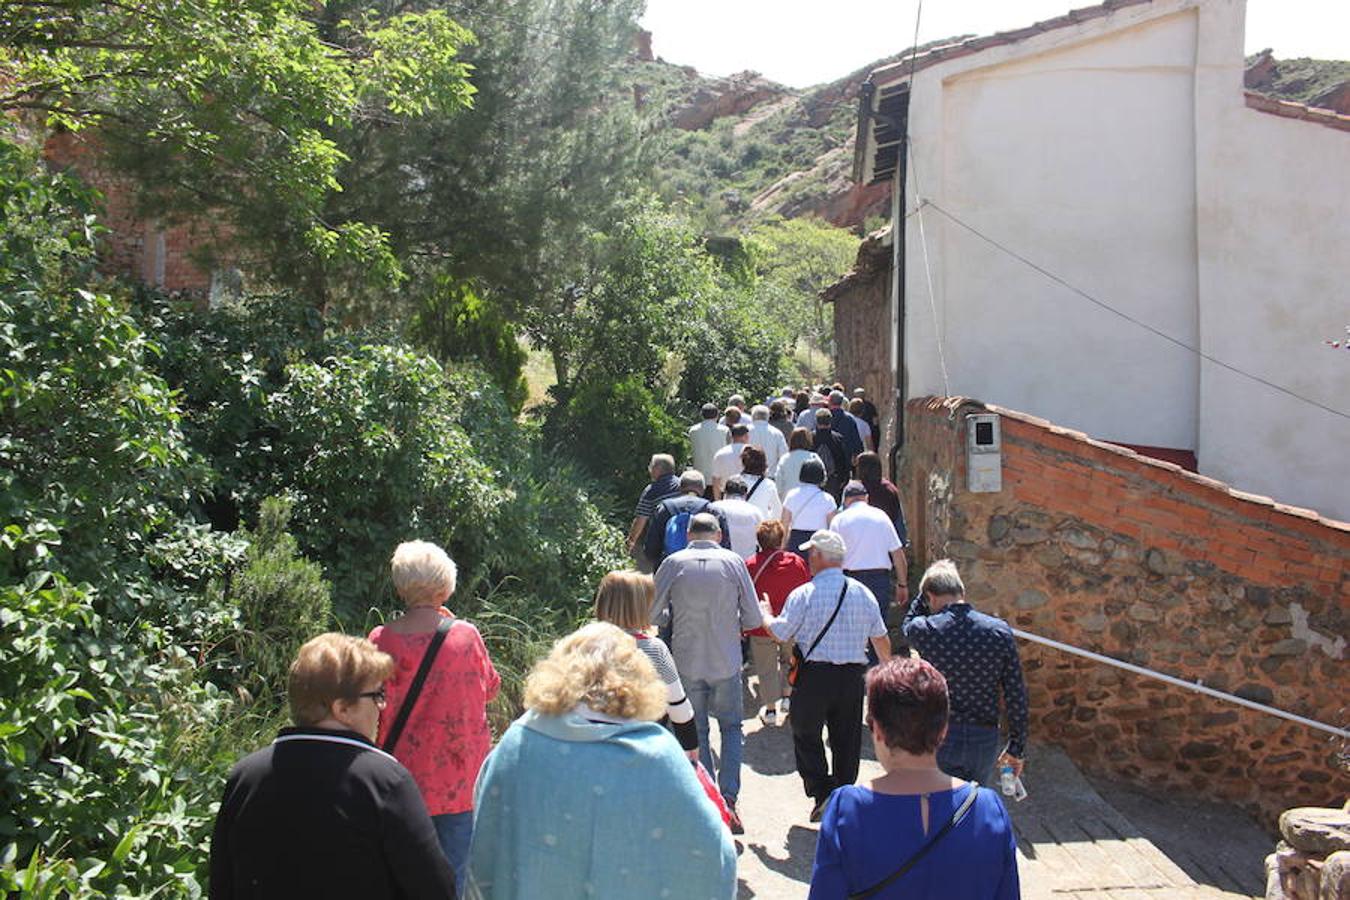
[(602, 667)]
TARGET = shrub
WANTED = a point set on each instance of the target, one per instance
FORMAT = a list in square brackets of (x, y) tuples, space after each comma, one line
[(279, 600), (619, 425)]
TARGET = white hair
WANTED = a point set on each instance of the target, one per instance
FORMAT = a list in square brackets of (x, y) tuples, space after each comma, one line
[(760, 413)]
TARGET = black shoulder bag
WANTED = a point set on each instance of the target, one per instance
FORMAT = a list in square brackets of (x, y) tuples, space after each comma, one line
[(755, 488), (795, 668), (922, 851), (414, 689)]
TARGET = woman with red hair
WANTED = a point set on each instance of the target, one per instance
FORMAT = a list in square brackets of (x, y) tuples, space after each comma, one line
[(915, 831)]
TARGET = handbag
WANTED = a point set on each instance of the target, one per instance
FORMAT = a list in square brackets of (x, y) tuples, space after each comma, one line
[(401, 720), (714, 795), (922, 851), (798, 657)]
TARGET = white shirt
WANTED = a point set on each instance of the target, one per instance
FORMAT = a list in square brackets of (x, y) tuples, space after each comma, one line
[(869, 537), (864, 431), (765, 496), (742, 520), (771, 441), (727, 462), (810, 508), (706, 438), (807, 418), (788, 474)]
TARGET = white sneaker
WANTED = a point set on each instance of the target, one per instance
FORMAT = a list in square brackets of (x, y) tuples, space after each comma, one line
[(769, 716), (784, 706)]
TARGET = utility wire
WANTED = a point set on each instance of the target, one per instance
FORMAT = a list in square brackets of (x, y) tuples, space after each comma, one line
[(952, 217), (918, 207)]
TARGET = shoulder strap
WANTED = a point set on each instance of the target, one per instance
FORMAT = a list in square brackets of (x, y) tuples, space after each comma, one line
[(833, 615), (922, 851), (755, 488), (414, 689), (754, 579)]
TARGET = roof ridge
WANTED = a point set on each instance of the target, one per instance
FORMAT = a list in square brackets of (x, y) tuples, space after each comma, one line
[(1290, 109), (968, 46)]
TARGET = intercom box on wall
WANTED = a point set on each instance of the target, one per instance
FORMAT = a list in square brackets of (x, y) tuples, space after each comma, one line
[(984, 454)]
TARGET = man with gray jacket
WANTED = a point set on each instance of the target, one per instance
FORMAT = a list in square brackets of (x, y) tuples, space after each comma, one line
[(706, 593)]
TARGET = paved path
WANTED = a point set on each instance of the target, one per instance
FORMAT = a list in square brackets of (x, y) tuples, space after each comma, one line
[(1073, 843)]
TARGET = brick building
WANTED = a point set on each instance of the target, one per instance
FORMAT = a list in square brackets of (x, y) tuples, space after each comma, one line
[(171, 256)]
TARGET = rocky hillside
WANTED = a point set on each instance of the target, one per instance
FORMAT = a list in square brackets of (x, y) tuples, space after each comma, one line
[(1322, 83), (742, 148)]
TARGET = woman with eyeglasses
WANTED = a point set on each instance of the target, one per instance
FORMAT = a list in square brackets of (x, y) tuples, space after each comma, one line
[(322, 812), (446, 736)]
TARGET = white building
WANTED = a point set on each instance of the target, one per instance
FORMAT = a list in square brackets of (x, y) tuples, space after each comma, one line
[(1115, 150)]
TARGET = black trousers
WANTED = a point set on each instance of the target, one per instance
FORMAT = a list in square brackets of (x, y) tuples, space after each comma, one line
[(827, 696)]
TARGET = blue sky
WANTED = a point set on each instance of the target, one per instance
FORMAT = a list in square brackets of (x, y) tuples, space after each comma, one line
[(805, 42)]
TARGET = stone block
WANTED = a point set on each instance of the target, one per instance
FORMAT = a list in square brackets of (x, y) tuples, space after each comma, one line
[(1257, 693), (1093, 623), (1200, 750), (1080, 538), (1299, 880), (1288, 647), (1335, 881), (1154, 749), (1316, 829), (1143, 612), (1274, 891), (1278, 615), (1031, 599), (998, 528)]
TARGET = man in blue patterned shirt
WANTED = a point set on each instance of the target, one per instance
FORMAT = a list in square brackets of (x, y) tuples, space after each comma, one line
[(977, 654), (832, 619)]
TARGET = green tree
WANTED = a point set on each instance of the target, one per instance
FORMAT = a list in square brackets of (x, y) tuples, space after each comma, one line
[(794, 260), (230, 107), (506, 197)]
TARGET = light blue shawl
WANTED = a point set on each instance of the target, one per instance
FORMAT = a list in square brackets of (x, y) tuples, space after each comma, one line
[(567, 807)]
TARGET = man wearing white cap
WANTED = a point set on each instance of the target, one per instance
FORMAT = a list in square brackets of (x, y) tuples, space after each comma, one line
[(832, 619)]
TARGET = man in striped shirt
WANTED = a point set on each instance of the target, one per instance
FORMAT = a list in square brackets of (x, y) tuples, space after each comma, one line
[(832, 619)]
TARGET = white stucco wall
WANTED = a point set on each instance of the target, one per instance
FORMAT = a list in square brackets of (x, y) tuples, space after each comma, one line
[(1119, 155), (1079, 158), (1274, 270)]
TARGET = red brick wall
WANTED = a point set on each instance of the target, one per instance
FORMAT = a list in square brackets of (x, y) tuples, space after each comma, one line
[(1095, 546), (159, 254)]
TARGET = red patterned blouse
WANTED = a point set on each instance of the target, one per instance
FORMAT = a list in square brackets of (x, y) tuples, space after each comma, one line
[(447, 736)]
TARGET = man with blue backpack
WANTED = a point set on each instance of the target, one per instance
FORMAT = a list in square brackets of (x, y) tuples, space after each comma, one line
[(668, 530)]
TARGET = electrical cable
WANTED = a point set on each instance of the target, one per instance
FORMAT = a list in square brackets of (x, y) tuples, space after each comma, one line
[(918, 208), (952, 217)]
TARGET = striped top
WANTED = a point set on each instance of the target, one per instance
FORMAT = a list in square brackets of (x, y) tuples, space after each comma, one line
[(678, 707)]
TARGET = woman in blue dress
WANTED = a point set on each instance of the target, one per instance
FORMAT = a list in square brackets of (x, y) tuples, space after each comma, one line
[(868, 833)]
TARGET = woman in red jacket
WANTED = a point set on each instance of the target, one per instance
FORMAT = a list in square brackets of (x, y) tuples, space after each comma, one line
[(776, 573)]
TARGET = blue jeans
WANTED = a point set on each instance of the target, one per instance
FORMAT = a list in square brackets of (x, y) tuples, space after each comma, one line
[(455, 831), (878, 581), (970, 752), (722, 700)]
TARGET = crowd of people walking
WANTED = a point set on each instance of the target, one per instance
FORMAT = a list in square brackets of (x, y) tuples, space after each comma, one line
[(781, 550)]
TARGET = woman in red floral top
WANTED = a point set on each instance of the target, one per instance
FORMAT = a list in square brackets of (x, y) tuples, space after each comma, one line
[(447, 737), (775, 573)]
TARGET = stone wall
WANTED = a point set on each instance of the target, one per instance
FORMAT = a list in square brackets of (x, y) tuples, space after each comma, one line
[(1093, 545)]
